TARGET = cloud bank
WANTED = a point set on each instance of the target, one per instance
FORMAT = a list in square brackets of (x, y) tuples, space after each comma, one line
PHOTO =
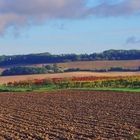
[(23, 12)]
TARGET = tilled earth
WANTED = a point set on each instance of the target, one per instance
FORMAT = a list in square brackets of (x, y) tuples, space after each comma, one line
[(69, 115)]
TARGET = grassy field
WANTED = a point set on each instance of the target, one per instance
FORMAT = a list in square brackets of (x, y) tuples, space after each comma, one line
[(28, 89), (110, 89), (54, 88)]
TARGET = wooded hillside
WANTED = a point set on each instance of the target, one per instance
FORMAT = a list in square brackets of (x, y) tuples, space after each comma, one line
[(49, 58)]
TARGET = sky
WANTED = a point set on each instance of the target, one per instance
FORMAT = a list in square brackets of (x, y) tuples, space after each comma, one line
[(68, 26)]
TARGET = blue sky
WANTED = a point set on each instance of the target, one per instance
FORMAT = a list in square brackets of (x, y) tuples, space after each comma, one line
[(102, 25)]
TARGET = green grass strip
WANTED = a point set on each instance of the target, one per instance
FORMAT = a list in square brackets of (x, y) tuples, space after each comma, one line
[(109, 89)]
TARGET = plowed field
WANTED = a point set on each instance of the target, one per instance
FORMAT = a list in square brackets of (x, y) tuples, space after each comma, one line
[(69, 115)]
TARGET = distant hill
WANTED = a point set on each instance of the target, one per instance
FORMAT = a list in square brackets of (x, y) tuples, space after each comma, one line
[(44, 58)]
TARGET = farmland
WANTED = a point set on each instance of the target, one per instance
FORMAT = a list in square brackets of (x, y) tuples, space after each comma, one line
[(69, 115), (104, 64), (6, 79), (93, 66), (70, 106), (69, 70)]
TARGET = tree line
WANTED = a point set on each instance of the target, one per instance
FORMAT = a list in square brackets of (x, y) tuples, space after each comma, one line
[(55, 69), (31, 70), (49, 58)]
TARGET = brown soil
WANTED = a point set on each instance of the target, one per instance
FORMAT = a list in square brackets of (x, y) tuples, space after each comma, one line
[(69, 115), (6, 79)]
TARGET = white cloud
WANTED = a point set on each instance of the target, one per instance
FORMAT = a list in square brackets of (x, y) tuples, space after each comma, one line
[(23, 12)]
